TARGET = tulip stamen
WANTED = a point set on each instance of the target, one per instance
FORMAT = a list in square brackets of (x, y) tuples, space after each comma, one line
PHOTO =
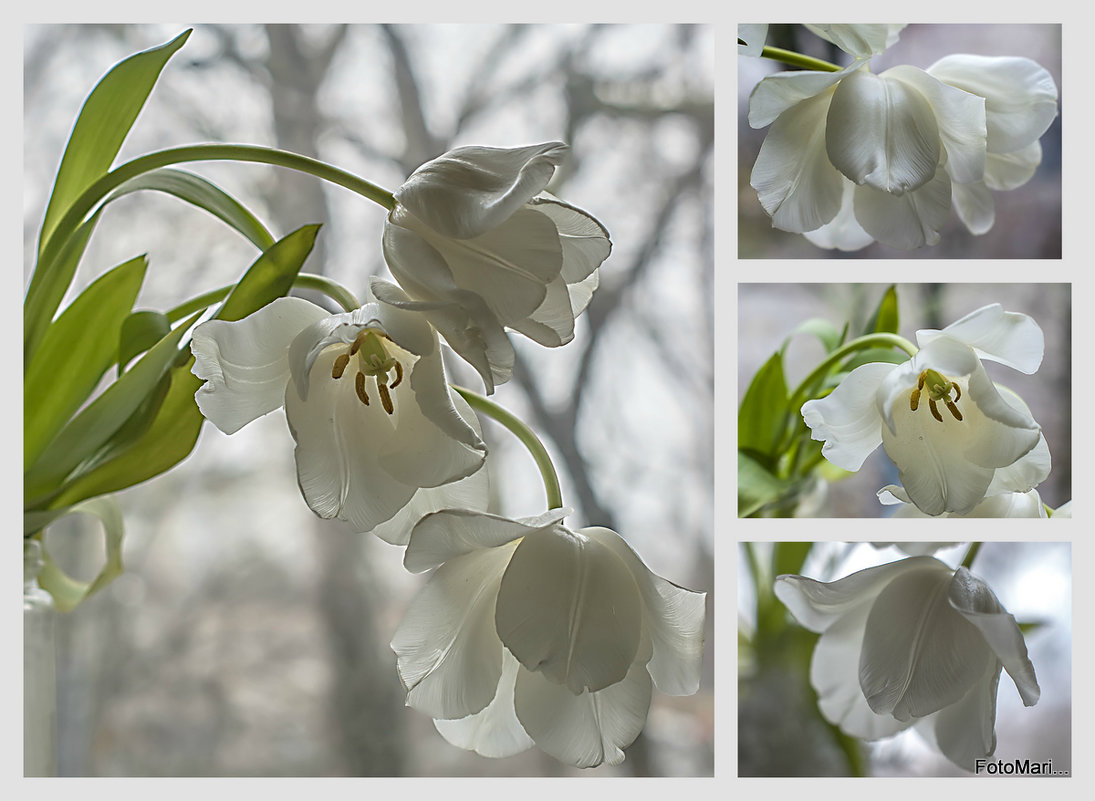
[(359, 385), (340, 366), (939, 388)]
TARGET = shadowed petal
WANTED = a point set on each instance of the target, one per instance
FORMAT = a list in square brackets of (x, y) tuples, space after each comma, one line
[(495, 731)]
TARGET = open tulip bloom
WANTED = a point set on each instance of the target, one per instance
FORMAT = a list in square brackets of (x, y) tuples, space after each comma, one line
[(531, 633), (912, 643), (852, 157), (380, 439), (950, 430), (473, 236)]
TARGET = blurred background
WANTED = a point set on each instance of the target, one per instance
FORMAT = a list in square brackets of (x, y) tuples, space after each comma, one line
[(1028, 219), (769, 313), (781, 732), (247, 636)]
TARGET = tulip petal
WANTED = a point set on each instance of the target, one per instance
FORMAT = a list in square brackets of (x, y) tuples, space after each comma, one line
[(975, 206), (494, 731), (859, 40), (447, 653), (977, 603), (585, 242), (1007, 171), (818, 605), (753, 36), (1020, 95), (673, 618), (960, 117), (1010, 338), (778, 93), (450, 533), (882, 132), (843, 232), (470, 190), (468, 326), (906, 221), (847, 419), (834, 674), (569, 608), (966, 730), (792, 176), (472, 492), (245, 364), (918, 656), (586, 729)]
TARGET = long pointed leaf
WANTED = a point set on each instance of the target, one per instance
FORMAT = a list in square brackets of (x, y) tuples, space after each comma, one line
[(98, 422), (102, 126), (75, 352)]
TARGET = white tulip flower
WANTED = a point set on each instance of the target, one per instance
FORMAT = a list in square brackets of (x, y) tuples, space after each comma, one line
[(530, 633), (854, 157), (380, 440), (912, 642), (942, 421), (474, 236)]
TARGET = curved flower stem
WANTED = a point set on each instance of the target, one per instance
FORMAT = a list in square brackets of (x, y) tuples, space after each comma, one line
[(320, 283), (798, 59), (971, 554), (859, 343), (215, 152), (527, 437)]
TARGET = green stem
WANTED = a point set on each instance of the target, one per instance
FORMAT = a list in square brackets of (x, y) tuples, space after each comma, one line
[(210, 152), (798, 59), (971, 554), (527, 437), (320, 283)]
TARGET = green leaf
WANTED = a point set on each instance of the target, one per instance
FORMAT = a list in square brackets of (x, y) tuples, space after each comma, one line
[(166, 441), (757, 487), (201, 193), (885, 319), (763, 413), (49, 284), (68, 592), (101, 128), (100, 419), (140, 331), (173, 432), (75, 352), (271, 276)]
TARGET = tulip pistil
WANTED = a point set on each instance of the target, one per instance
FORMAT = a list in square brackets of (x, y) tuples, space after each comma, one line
[(374, 361), (939, 389)]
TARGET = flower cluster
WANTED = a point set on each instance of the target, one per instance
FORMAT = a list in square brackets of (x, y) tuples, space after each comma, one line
[(912, 643), (852, 157), (527, 632), (962, 444)]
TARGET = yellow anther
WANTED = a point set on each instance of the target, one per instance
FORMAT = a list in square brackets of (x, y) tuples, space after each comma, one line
[(934, 410), (953, 409), (385, 398), (939, 388), (340, 366), (914, 399), (359, 385), (399, 374)]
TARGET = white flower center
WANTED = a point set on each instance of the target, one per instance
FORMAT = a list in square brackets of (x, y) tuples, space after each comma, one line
[(939, 388), (373, 361)]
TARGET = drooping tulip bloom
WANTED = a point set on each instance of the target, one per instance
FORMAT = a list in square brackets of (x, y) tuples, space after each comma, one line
[(853, 157), (942, 421), (474, 232), (531, 633), (912, 642), (380, 439)]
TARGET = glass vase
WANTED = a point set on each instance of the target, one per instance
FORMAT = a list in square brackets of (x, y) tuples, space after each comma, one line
[(39, 669)]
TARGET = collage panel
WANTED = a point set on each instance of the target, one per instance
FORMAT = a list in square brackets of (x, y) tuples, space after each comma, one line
[(899, 141), (905, 659)]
